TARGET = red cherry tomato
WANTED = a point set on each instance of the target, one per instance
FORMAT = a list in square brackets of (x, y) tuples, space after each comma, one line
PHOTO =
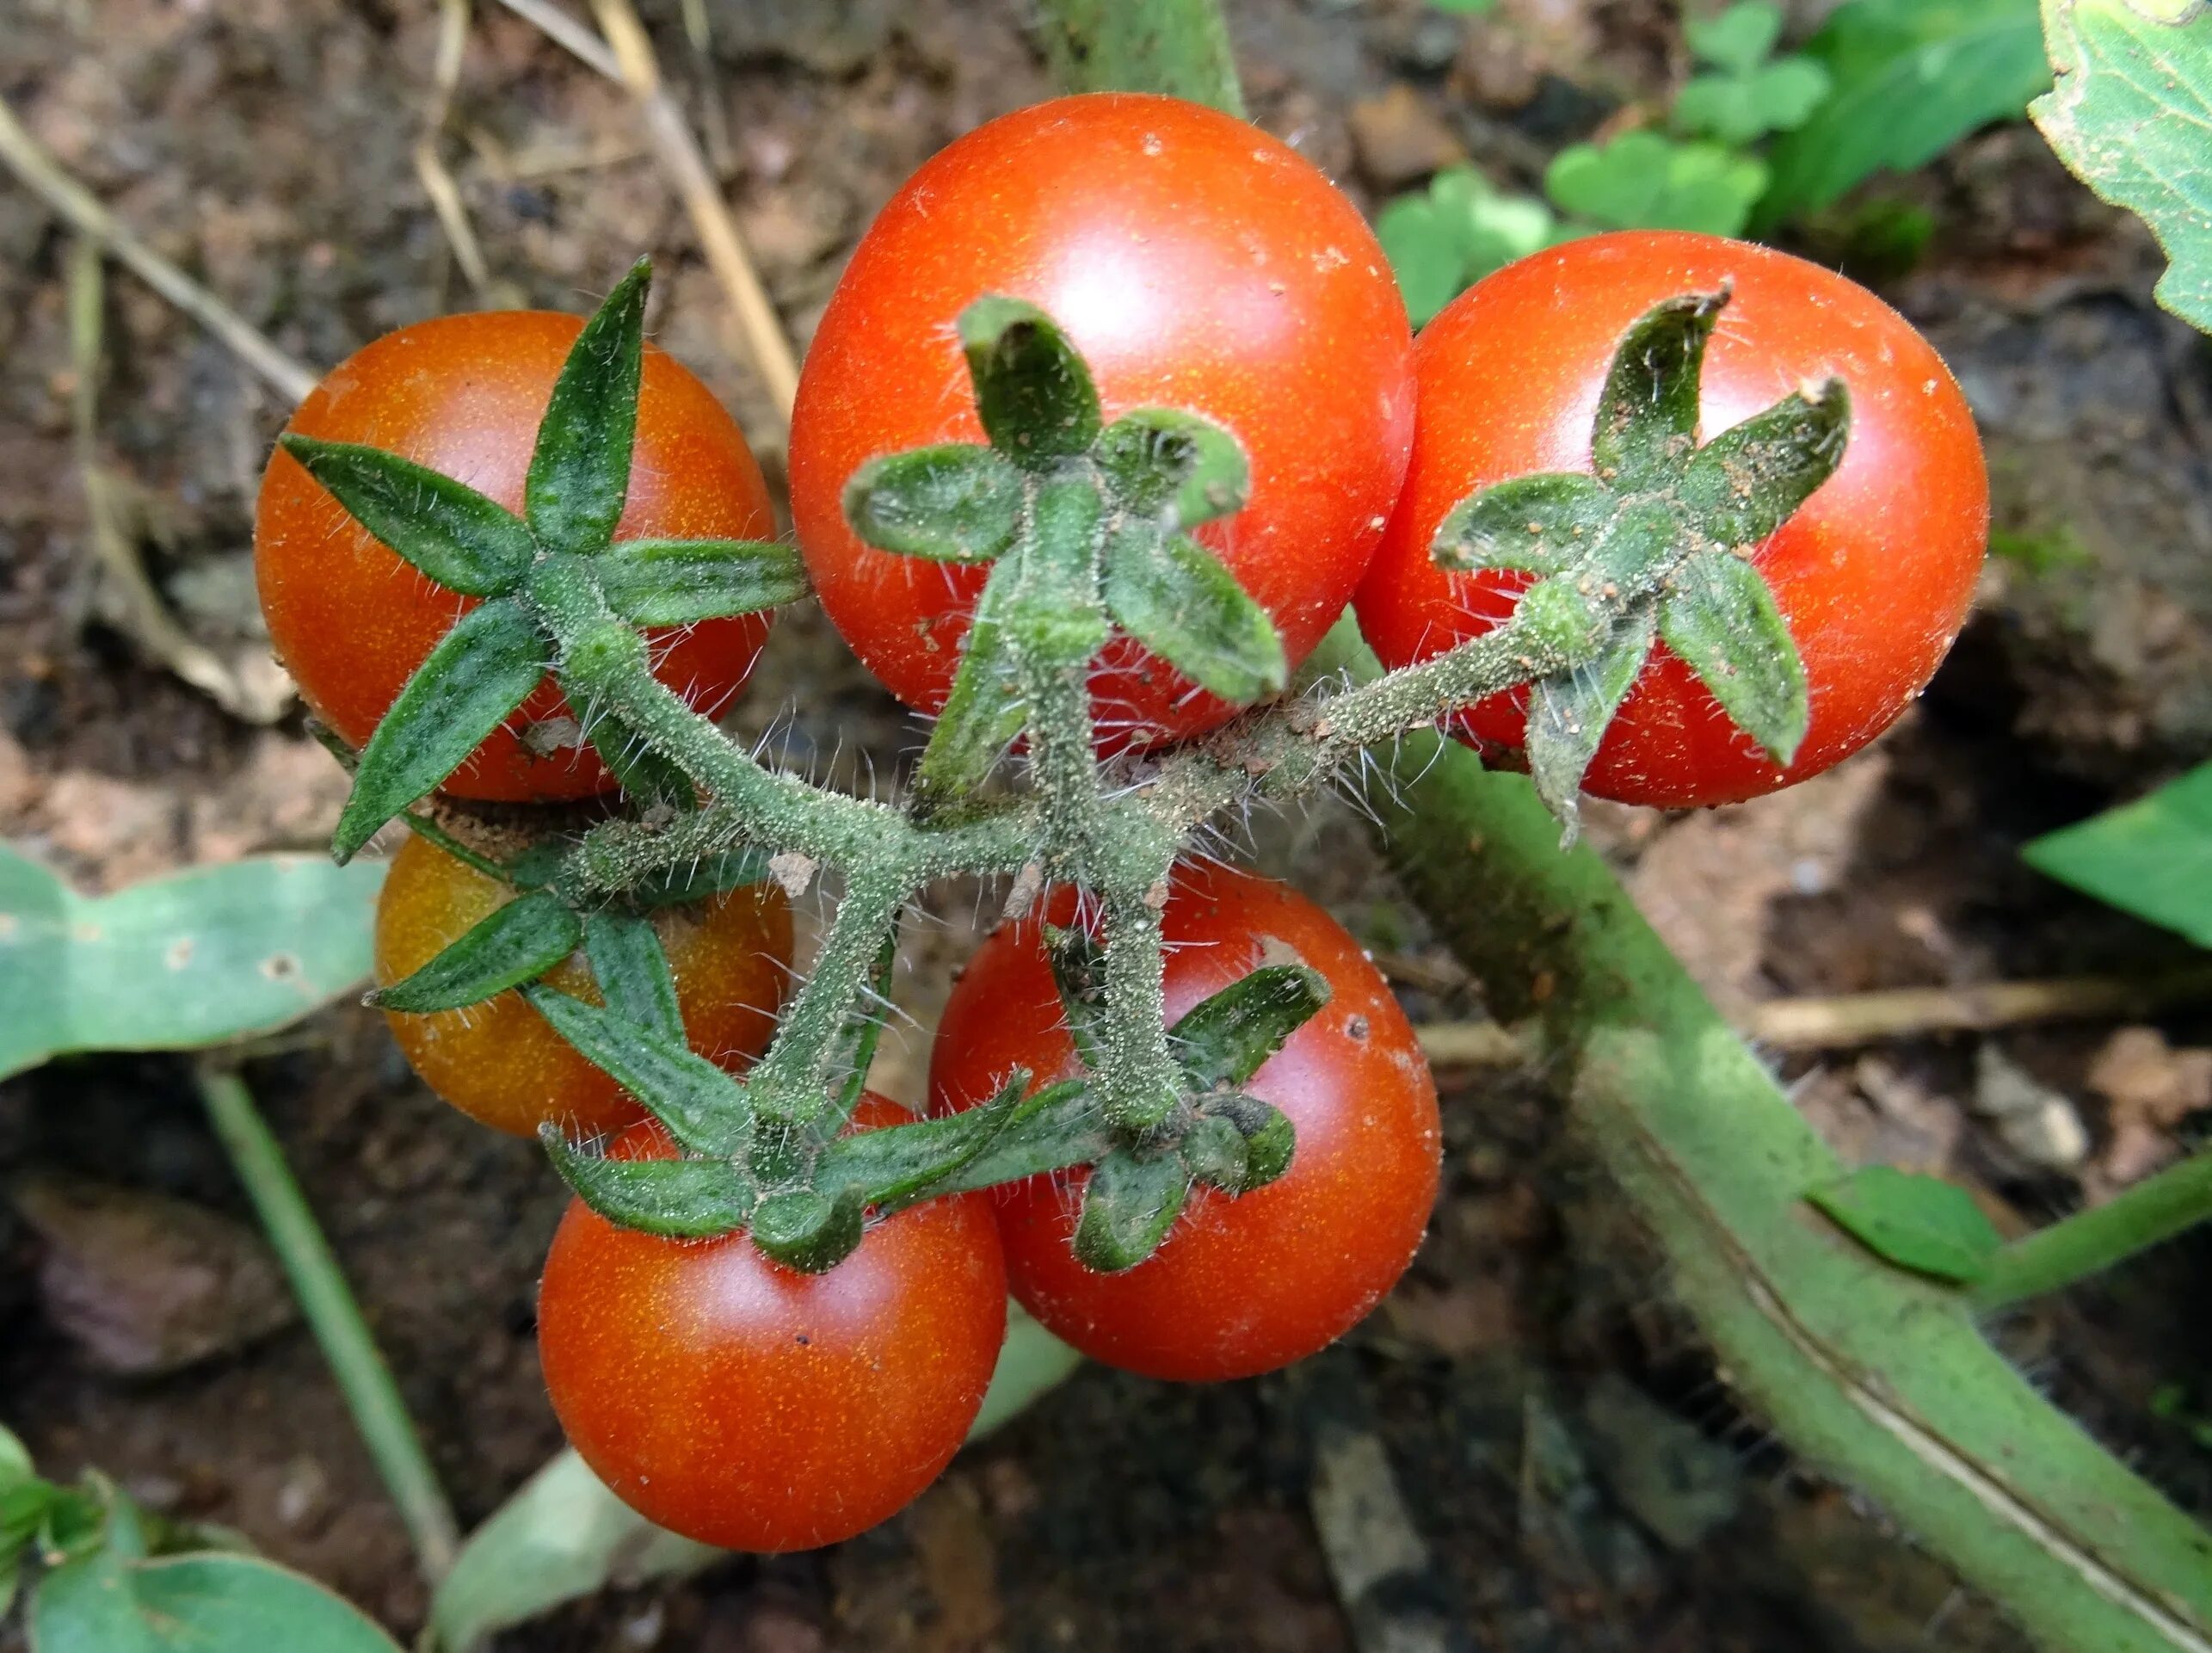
[(1240, 1286), (463, 395), (742, 1404), (1873, 573), (1197, 263), (501, 1063)]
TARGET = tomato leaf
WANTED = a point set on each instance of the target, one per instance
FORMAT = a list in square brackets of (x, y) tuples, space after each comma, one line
[(1174, 468), (682, 581), (675, 1198), (1647, 419), (482, 670), (1128, 1205), (107, 1602), (633, 971), (985, 709), (1174, 595), (1223, 1039), (1542, 524), (518, 942), (1720, 619), (956, 502), (2152, 857), (1745, 484), (1920, 1223), (703, 1108), (1033, 391), (1568, 713), (580, 469), (454, 535)]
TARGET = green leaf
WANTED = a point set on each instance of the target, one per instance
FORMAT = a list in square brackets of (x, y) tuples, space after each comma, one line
[(854, 1051), (682, 581), (580, 469), (675, 1198), (1920, 1223), (1647, 418), (177, 963), (15, 1456), (890, 1165), (2152, 858), (2128, 115), (1443, 238), (482, 670), (711, 875), (1568, 713), (452, 533), (985, 709), (1747, 482), (703, 1108), (1739, 38), (1174, 596), (1033, 391), (1222, 1040), (517, 942), (633, 971), (1128, 1205), (954, 503), (1177, 468), (1910, 78), (1720, 619), (1542, 524), (641, 772), (1741, 108), (1643, 180), (212, 1603)]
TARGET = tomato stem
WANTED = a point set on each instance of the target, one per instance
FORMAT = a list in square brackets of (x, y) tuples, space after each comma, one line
[(2092, 1241)]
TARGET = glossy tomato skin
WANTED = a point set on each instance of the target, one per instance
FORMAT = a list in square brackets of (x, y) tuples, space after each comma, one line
[(501, 1063), (1243, 1285), (1197, 263), (740, 1403), (463, 395), (1874, 573)]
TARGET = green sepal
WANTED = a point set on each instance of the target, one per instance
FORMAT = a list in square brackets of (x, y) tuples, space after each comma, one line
[(854, 1049), (704, 1109), (1744, 484), (956, 503), (641, 772), (1238, 1143), (985, 710), (711, 875), (1052, 1130), (518, 942), (809, 1231), (683, 582), (452, 533), (889, 1164), (580, 469), (1214, 1153), (1647, 418), (632, 969), (1223, 1039), (1173, 467), (1568, 711), (1541, 524), (675, 1198), (481, 670), (1128, 1205), (1033, 392), (1079, 977), (1174, 595), (1719, 616)]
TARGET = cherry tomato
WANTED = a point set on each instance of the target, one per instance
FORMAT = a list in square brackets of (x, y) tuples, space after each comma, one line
[(463, 395), (1873, 573), (1240, 1286), (1197, 263), (500, 1062), (745, 1405)]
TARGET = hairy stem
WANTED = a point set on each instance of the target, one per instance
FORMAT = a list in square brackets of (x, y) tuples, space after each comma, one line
[(2090, 1242)]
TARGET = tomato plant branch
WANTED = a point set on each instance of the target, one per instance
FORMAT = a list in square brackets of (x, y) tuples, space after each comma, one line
[(2090, 1242)]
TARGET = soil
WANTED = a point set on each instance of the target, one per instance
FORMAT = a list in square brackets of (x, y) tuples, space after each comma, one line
[(1572, 1473)]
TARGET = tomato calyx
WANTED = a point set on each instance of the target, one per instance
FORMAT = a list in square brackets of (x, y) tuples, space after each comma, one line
[(1086, 526), (1656, 546), (548, 582)]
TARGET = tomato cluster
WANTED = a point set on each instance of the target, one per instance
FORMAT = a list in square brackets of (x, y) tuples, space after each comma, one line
[(1196, 265)]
